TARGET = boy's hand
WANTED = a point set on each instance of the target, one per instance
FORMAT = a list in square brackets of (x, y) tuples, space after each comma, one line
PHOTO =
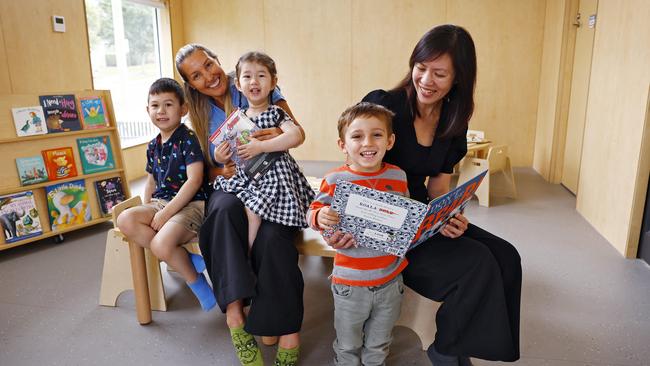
[(326, 218), (159, 219), (251, 149), (341, 240), (267, 133), (222, 153)]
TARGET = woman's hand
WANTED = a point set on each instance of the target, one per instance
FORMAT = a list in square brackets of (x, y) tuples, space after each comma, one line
[(341, 240), (455, 227), (222, 153), (267, 133), (251, 149), (227, 171)]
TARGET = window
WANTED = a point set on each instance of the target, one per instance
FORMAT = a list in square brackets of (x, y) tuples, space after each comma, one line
[(125, 54)]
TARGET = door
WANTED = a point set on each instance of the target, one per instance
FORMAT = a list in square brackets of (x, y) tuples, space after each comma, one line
[(586, 23)]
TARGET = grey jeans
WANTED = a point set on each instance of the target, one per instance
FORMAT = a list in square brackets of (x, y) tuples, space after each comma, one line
[(364, 318)]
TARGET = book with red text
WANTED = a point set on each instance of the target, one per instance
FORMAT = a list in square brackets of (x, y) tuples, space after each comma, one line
[(60, 113), (395, 224)]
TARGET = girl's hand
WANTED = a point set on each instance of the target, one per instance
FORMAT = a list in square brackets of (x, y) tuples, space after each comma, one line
[(341, 240), (159, 219), (251, 149), (455, 227), (222, 153), (327, 218), (267, 133)]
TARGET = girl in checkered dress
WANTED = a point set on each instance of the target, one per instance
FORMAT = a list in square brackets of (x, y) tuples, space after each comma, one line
[(282, 195)]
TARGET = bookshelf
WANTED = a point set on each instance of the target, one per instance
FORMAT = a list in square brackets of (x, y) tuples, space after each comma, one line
[(12, 147)]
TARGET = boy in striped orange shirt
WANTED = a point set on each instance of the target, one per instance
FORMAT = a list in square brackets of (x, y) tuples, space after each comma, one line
[(366, 283)]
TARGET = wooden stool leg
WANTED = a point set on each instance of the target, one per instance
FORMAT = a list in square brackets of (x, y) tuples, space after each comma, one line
[(155, 282), (116, 274), (140, 286), (419, 314)]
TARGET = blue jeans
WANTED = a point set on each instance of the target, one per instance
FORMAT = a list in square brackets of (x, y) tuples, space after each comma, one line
[(364, 318)]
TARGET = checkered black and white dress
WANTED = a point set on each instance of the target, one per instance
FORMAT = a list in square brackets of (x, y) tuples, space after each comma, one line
[(283, 194)]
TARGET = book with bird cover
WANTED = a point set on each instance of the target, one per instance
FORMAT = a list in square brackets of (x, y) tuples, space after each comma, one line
[(29, 121), (92, 111)]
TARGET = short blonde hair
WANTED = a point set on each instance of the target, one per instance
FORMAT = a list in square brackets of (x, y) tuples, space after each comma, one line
[(365, 109)]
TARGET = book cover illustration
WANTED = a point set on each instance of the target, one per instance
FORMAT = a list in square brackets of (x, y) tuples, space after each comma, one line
[(391, 223), (93, 112), (60, 113), (31, 170), (95, 154), (59, 163), (236, 129), (29, 121), (109, 193), (19, 217), (67, 204)]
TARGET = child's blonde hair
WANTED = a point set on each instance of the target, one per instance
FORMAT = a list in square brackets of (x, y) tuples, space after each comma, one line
[(365, 109)]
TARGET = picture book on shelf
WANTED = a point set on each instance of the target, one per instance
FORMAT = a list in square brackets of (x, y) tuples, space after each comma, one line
[(31, 170), (29, 121), (395, 224), (236, 129), (59, 163), (19, 217), (109, 193), (67, 204), (93, 112), (60, 113), (95, 154)]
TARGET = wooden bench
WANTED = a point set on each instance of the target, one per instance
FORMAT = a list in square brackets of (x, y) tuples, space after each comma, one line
[(130, 267)]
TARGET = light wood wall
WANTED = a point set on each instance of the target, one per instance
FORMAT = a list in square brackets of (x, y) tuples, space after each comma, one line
[(34, 58), (330, 54), (616, 153)]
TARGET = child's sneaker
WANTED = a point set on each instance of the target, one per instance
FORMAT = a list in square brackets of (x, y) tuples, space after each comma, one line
[(248, 352), (203, 292), (287, 357)]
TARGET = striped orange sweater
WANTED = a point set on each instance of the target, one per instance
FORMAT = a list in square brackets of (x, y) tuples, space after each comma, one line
[(361, 266)]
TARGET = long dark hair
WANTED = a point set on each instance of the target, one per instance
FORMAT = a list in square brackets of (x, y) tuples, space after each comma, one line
[(458, 104)]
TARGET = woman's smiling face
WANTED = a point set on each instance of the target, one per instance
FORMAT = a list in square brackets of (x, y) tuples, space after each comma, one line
[(433, 79), (205, 74)]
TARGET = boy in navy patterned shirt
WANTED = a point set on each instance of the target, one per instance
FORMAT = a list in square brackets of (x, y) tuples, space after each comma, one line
[(173, 196)]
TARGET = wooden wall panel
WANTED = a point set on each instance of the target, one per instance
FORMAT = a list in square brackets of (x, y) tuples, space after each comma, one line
[(310, 42), (228, 28), (380, 57), (5, 79), (508, 35), (614, 167), (38, 58)]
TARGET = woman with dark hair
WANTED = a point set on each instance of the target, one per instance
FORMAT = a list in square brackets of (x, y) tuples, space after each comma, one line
[(476, 275), (269, 278)]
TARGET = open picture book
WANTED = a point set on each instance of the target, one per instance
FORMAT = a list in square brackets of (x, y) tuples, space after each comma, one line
[(395, 224), (236, 129)]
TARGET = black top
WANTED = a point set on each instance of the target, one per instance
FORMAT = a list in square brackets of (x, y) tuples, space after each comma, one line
[(419, 162)]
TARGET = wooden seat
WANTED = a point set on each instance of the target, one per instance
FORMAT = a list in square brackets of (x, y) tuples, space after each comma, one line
[(144, 277), (496, 161)]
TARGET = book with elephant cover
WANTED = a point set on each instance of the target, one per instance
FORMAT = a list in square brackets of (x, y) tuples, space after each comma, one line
[(19, 217), (67, 204), (395, 224), (236, 129)]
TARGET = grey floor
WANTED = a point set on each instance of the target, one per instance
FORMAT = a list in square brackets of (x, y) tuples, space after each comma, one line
[(582, 303)]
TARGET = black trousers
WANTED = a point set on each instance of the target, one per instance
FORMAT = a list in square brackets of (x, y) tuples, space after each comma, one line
[(477, 277), (269, 280)]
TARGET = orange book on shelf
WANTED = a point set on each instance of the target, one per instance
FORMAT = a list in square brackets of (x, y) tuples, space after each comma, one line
[(59, 163)]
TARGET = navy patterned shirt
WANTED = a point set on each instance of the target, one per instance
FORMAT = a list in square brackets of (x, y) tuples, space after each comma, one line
[(168, 162)]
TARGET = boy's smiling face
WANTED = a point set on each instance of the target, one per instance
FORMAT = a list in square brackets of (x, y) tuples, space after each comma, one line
[(365, 142), (165, 111)]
